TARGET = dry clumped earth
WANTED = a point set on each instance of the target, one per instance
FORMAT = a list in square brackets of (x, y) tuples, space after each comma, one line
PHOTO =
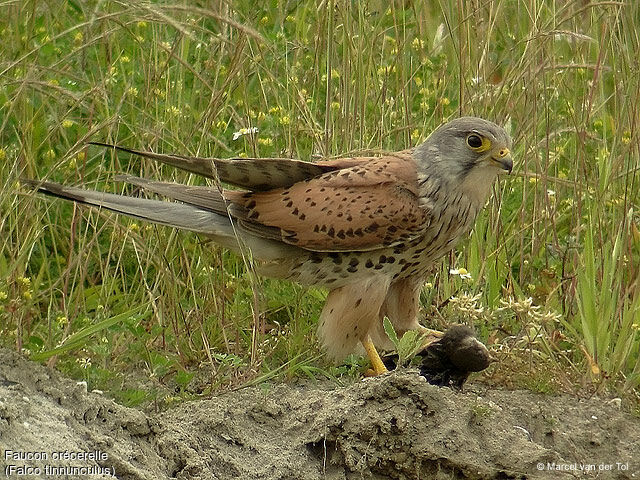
[(394, 426)]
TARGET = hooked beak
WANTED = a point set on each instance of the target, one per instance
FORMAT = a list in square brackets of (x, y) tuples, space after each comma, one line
[(503, 158)]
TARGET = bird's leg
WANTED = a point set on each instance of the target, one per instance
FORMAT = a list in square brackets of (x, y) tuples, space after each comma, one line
[(401, 306), (377, 367)]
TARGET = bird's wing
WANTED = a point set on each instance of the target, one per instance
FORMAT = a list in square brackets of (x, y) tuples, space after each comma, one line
[(364, 207), (256, 174)]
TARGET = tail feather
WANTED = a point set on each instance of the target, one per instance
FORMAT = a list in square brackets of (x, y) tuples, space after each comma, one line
[(172, 214), (178, 215), (202, 197)]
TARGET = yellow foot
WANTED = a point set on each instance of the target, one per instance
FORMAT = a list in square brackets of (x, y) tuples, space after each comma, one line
[(377, 367)]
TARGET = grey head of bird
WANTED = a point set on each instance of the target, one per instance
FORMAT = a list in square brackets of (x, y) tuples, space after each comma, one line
[(466, 153)]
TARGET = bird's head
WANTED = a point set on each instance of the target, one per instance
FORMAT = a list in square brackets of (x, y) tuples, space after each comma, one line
[(468, 151)]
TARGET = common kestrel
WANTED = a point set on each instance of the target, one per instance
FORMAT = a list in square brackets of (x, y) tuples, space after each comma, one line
[(366, 228)]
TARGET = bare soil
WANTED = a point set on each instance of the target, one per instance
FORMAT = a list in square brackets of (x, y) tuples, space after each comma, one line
[(394, 426)]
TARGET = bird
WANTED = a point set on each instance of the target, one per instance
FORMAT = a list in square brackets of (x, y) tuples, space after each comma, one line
[(449, 360), (368, 229)]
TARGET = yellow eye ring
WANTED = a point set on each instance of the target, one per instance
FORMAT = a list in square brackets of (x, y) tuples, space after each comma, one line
[(478, 143)]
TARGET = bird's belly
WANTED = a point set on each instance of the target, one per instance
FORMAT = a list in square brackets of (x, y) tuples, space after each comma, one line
[(335, 269)]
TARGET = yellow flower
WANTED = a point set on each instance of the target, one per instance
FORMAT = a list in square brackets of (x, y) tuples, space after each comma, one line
[(78, 37), (273, 110), (173, 110), (418, 81), (27, 294), (3, 154), (125, 59), (335, 105), (134, 227), (67, 123), (264, 20), (132, 91), (415, 134), (464, 274), (626, 137), (266, 142), (141, 24), (3, 295), (386, 70), (285, 120), (445, 101), (62, 320), (25, 282)]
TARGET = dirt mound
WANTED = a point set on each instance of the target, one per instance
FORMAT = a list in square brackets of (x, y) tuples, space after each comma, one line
[(395, 426)]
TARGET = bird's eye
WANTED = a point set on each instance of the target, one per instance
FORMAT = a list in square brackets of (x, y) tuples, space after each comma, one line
[(474, 141)]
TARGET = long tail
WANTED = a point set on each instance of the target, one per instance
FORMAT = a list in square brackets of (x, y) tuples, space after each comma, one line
[(172, 214)]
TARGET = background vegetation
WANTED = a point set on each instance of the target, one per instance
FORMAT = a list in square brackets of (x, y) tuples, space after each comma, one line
[(549, 277)]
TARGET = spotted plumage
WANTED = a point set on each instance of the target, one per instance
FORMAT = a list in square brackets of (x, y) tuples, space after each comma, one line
[(367, 228)]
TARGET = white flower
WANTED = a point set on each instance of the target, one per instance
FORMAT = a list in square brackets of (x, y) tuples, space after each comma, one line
[(244, 131), (464, 274), (84, 362)]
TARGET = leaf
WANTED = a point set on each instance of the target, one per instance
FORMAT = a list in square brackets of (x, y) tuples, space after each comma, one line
[(407, 346), (390, 331), (78, 339)]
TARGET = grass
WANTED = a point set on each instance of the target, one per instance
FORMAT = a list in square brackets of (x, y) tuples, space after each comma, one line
[(108, 299)]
